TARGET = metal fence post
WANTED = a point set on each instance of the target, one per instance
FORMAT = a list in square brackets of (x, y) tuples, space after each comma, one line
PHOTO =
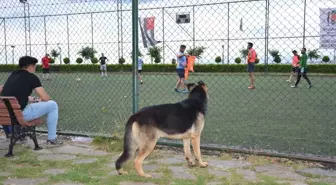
[(68, 36), (193, 9), (228, 36), (163, 37), (45, 35), (304, 23), (121, 32), (118, 18), (4, 20), (135, 49), (266, 35), (92, 31)]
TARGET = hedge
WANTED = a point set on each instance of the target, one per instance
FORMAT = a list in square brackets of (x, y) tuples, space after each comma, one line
[(278, 68)]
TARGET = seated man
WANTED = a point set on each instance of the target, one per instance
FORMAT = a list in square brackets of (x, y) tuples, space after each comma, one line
[(21, 84)]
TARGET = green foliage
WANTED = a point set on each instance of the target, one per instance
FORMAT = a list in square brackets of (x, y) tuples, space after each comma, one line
[(157, 60), (155, 52), (244, 53), (197, 51), (94, 60), (87, 52), (121, 61), (79, 60), (66, 60), (174, 61), (314, 54), (257, 61), (52, 61), (55, 53), (326, 59), (238, 60), (218, 59), (276, 56)]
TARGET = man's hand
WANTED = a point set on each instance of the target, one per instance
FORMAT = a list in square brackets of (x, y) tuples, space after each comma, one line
[(33, 99), (42, 94)]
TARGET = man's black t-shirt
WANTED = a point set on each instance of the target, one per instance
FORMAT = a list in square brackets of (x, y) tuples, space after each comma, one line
[(21, 84), (102, 60)]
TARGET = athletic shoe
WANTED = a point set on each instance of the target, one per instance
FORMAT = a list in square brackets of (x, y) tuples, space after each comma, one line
[(185, 91), (251, 87), (293, 86), (141, 82), (288, 80), (310, 86), (54, 142), (176, 90)]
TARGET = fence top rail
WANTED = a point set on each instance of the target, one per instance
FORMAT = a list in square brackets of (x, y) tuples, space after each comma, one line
[(129, 9)]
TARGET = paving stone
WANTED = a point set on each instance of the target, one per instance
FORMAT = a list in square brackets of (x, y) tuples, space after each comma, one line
[(157, 175), (113, 173), (25, 181), (54, 171), (291, 182), (136, 183), (227, 164), (4, 145), (248, 174), (181, 173), (172, 160), (67, 184), (152, 167), (214, 183), (59, 157), (5, 174), (318, 171), (67, 149), (219, 173), (280, 172), (85, 161)]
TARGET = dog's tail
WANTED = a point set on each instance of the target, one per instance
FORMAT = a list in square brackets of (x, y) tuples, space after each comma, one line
[(129, 146)]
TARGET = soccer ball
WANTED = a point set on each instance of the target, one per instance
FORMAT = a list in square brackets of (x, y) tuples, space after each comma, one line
[(78, 79)]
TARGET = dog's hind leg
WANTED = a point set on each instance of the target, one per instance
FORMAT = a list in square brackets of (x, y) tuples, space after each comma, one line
[(187, 153), (196, 143), (145, 149)]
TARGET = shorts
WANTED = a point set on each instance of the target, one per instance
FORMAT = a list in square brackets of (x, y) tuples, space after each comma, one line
[(46, 70), (295, 69), (250, 67), (302, 70), (139, 71), (103, 67), (180, 73)]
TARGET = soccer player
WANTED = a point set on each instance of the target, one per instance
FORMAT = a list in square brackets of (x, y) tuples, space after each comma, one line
[(46, 67), (251, 57), (181, 64), (303, 69), (103, 67), (295, 65)]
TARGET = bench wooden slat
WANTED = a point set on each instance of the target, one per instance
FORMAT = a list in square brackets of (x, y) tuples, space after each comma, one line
[(5, 121), (15, 106)]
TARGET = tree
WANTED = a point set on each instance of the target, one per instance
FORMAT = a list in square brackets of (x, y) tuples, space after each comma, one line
[(155, 52), (275, 54), (244, 53), (87, 52), (55, 54), (313, 54), (197, 51)]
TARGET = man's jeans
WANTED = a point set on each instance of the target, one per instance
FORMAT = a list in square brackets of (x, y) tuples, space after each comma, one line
[(37, 110)]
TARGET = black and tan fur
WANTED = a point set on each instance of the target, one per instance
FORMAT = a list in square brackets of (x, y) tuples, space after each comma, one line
[(183, 120)]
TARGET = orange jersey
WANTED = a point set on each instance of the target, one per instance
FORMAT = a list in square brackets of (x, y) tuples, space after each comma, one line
[(190, 66), (295, 61), (252, 55)]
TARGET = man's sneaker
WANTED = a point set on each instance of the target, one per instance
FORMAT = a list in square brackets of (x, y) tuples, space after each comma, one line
[(310, 86), (288, 80), (176, 90), (251, 87), (293, 86), (141, 82), (185, 91), (54, 142)]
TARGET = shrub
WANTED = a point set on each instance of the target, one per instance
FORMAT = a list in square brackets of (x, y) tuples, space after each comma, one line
[(257, 61), (66, 61), (174, 61), (197, 51), (326, 59), (238, 60), (94, 60), (218, 59), (79, 60), (121, 61), (157, 60)]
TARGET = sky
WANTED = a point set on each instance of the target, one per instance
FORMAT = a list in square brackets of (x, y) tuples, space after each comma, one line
[(211, 26)]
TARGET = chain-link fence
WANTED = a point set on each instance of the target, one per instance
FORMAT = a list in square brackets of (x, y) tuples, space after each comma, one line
[(273, 117)]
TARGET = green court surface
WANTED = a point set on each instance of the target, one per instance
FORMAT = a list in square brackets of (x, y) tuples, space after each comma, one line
[(272, 117)]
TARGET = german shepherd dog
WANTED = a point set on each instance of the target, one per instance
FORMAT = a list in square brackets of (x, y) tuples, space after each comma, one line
[(183, 120)]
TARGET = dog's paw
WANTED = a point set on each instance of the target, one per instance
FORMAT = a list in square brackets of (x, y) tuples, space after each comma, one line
[(121, 172), (146, 176), (191, 163), (204, 164)]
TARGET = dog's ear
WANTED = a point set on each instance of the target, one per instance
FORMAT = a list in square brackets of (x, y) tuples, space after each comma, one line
[(201, 83), (190, 86)]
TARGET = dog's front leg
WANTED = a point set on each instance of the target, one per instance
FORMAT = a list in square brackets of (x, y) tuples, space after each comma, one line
[(187, 153), (196, 143)]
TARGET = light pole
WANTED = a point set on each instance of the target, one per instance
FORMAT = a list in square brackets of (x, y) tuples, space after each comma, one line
[(60, 49), (223, 54), (13, 47), (27, 26)]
